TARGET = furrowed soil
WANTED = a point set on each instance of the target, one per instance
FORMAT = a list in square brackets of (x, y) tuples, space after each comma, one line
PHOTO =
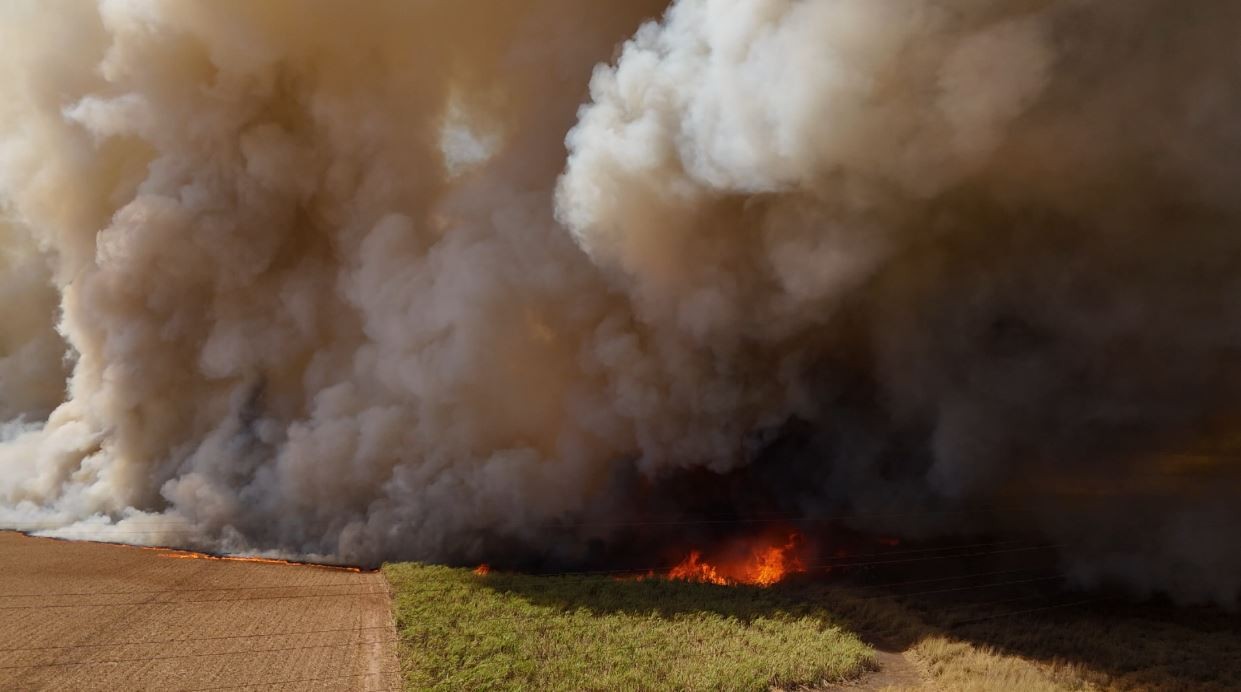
[(89, 616)]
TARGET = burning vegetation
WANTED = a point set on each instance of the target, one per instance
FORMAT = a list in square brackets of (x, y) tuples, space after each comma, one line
[(761, 564)]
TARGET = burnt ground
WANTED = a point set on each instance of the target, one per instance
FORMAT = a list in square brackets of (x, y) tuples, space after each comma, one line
[(89, 616)]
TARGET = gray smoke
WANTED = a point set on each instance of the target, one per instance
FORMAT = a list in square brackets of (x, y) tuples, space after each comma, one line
[(325, 283)]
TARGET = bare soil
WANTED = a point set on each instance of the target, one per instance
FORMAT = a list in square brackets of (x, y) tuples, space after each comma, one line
[(89, 616), (896, 672)]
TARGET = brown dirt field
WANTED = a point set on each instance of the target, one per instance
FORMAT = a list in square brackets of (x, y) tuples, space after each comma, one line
[(90, 616)]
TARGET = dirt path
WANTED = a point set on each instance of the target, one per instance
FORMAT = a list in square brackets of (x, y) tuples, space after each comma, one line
[(896, 672), (87, 616)]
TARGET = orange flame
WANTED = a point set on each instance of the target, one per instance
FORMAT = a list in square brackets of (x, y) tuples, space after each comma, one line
[(188, 555), (483, 570), (764, 566), (691, 569)]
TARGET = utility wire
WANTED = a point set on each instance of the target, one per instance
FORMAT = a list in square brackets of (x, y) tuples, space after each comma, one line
[(1030, 610)]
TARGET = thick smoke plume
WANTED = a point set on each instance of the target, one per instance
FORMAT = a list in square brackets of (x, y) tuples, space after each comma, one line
[(321, 279)]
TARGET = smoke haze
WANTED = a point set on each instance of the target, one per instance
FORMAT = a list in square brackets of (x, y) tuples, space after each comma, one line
[(438, 280)]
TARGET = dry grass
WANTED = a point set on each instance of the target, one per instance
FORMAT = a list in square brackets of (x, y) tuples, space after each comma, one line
[(1106, 648), (957, 665), (1127, 650)]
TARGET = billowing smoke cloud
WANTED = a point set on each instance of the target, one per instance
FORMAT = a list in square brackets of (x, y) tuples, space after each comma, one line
[(329, 283)]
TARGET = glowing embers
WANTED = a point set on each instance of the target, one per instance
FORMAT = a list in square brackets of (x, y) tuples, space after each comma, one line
[(483, 570), (189, 555), (755, 563)]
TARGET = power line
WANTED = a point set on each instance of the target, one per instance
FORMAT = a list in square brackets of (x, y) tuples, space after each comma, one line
[(1049, 546), (974, 607), (952, 578), (1031, 610), (910, 551), (1055, 577)]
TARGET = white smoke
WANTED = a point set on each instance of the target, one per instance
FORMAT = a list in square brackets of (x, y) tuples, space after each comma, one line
[(329, 286), (290, 329)]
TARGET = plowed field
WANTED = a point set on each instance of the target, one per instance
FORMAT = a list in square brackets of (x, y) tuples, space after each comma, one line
[(88, 616)]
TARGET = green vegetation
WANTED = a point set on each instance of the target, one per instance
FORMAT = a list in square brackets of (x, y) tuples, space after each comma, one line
[(459, 630)]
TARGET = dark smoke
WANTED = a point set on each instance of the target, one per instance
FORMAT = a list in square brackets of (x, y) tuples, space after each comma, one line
[(325, 282)]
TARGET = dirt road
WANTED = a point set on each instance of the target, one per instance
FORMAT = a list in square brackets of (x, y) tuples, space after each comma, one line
[(87, 616)]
